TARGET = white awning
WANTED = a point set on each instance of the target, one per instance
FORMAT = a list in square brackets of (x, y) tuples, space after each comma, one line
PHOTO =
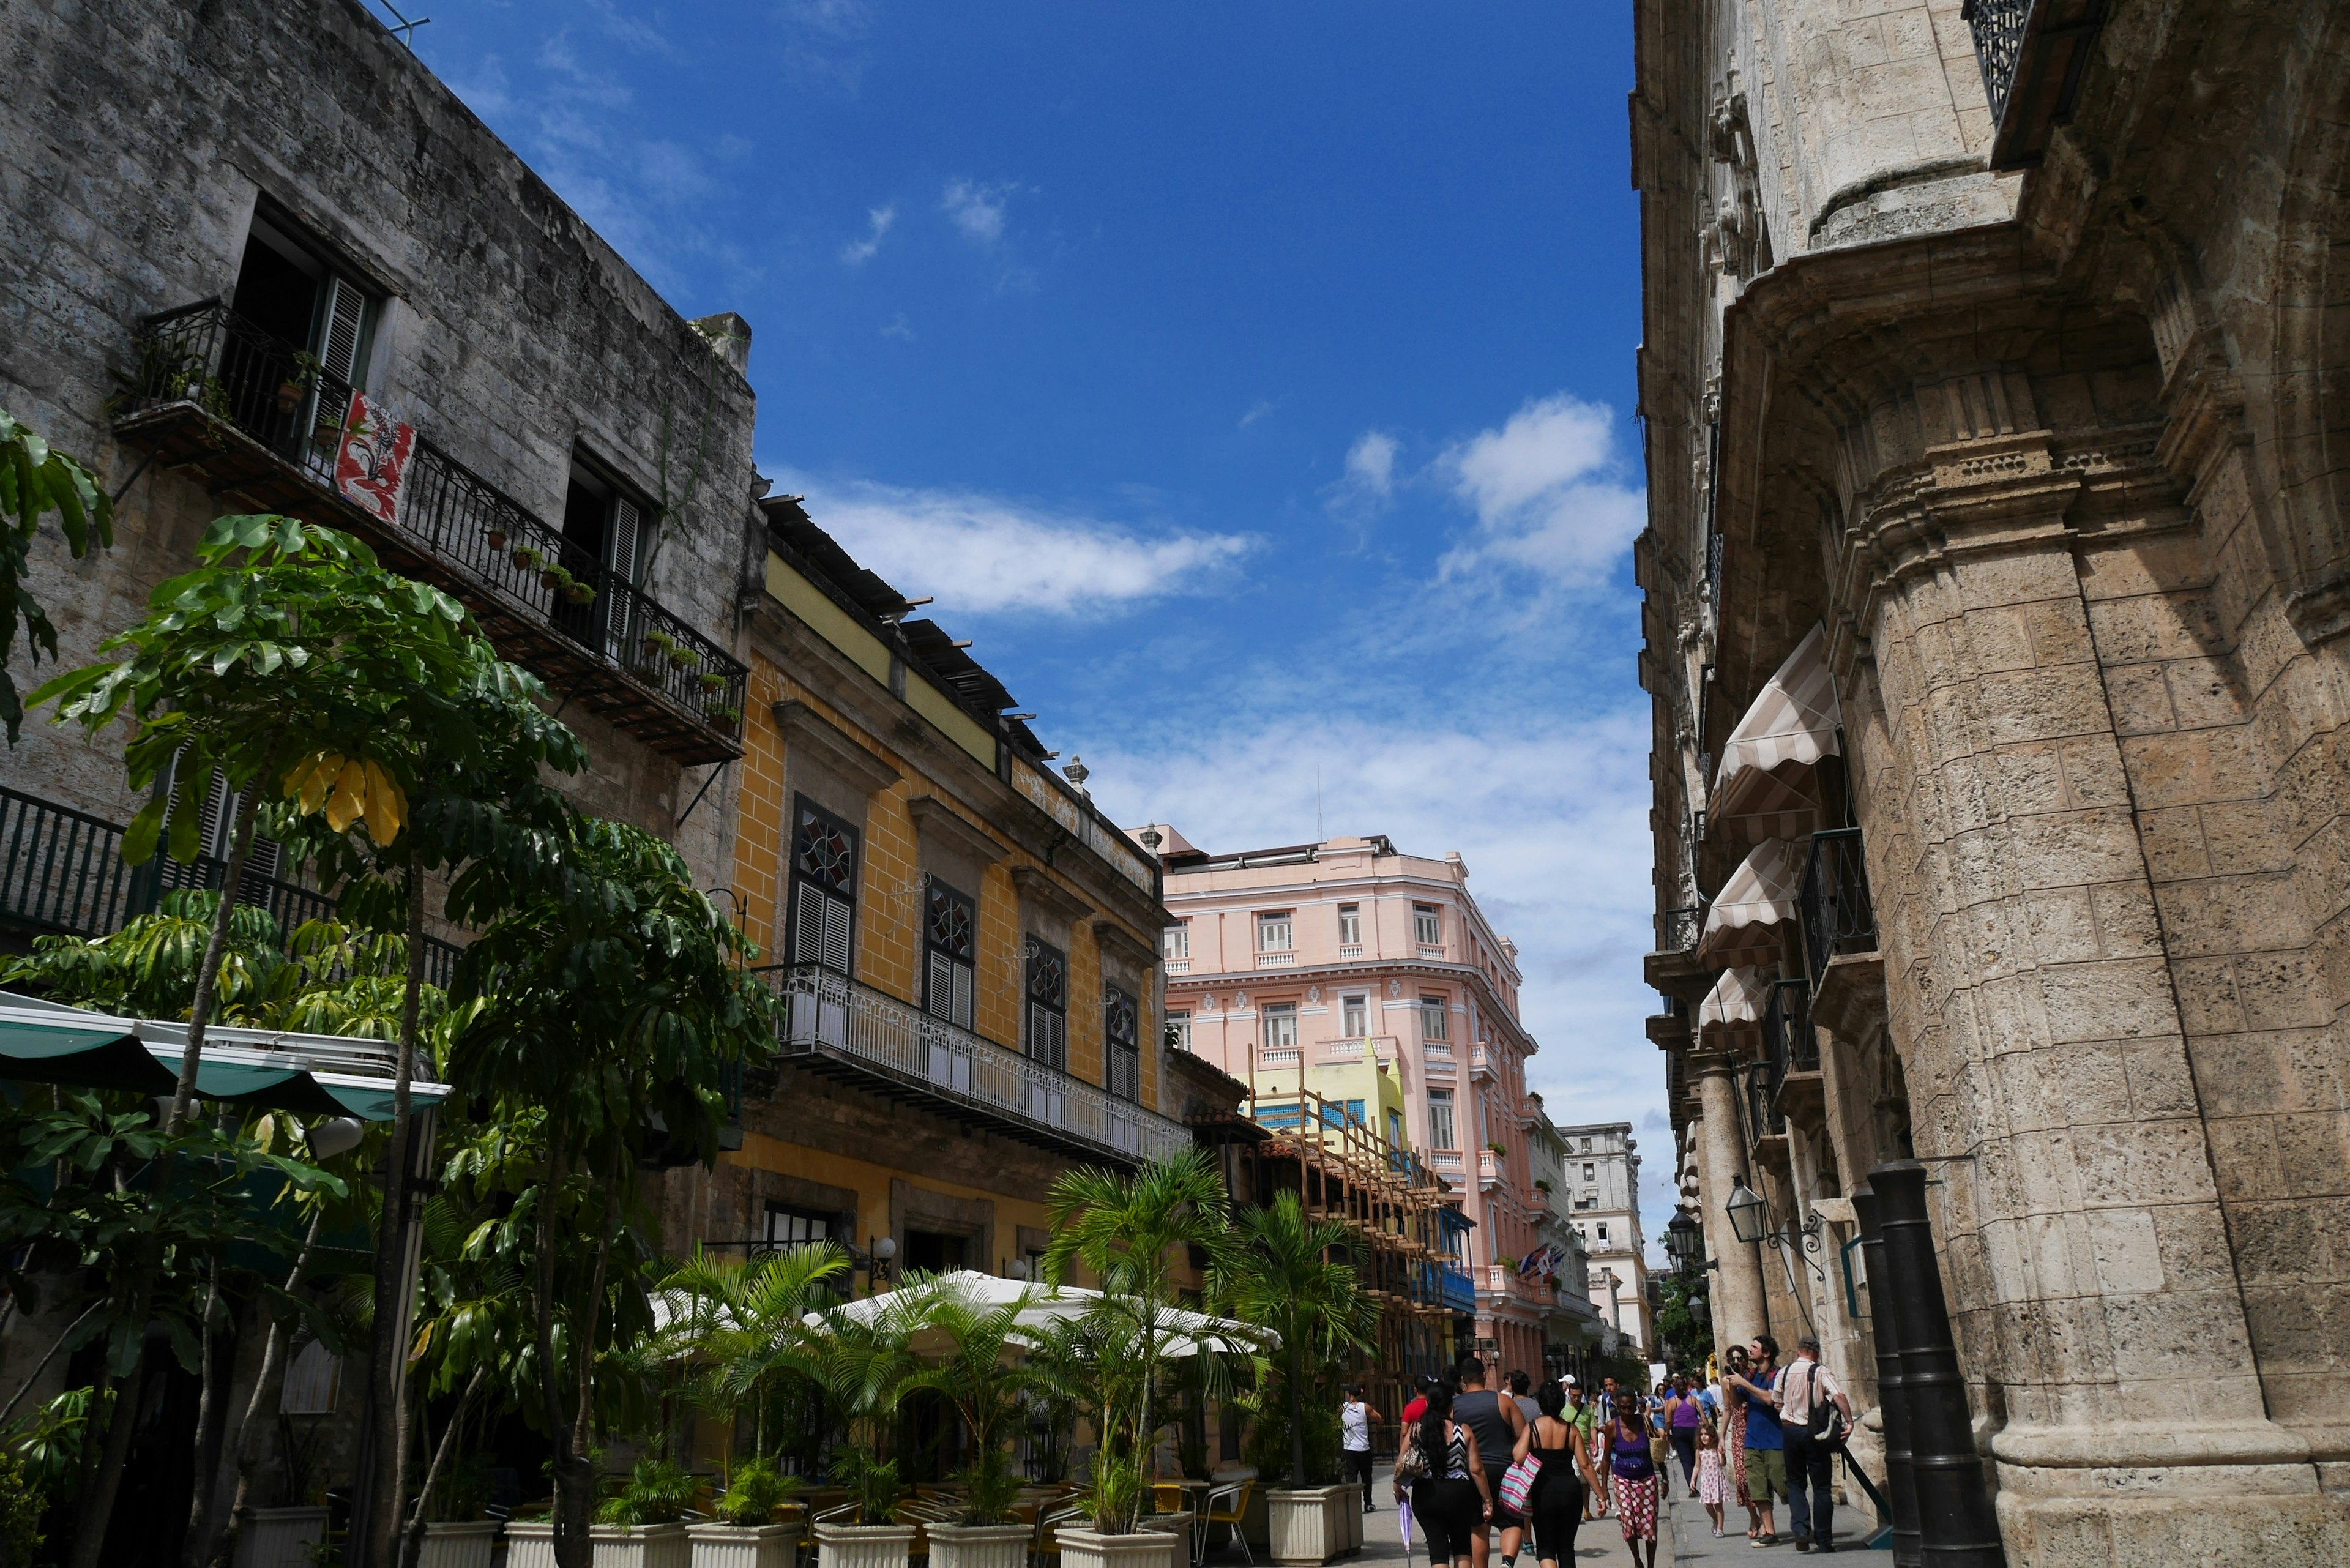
[(1735, 1003), (1759, 894), (1763, 788)]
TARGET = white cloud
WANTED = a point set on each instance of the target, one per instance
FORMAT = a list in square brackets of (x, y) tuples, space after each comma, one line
[(897, 326), (1257, 411), (980, 552), (857, 252), (1548, 493), (1367, 483), (975, 209)]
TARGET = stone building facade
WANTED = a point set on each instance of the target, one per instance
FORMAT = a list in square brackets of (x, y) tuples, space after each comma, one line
[(1998, 580), (1602, 1199)]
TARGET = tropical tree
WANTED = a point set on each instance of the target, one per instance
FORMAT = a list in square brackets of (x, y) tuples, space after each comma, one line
[(986, 1372), (1127, 1232), (740, 1325), (35, 479), (1280, 1272)]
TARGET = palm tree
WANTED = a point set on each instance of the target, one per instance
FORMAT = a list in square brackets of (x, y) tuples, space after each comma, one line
[(987, 1369), (744, 1321), (1126, 1231), (1278, 1273)]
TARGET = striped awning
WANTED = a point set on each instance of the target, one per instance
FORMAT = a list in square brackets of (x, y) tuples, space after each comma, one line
[(1740, 925), (316, 1074), (1735, 1004), (1764, 787)]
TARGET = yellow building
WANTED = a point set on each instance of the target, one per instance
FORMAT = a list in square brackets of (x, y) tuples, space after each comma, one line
[(967, 950)]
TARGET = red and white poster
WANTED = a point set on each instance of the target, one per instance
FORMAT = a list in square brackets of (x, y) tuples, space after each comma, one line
[(373, 459)]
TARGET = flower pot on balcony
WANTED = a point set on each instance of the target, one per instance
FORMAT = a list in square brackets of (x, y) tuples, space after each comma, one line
[(466, 1544), (743, 1545), (977, 1546), (280, 1537), (531, 1545), (497, 538), (1143, 1549), (864, 1545), (1314, 1524)]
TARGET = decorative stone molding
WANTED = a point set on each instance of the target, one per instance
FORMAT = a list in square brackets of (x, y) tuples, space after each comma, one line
[(1036, 886), (1117, 941), (934, 818), (804, 726)]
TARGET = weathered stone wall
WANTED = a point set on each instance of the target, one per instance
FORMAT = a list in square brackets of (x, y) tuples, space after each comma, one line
[(135, 141)]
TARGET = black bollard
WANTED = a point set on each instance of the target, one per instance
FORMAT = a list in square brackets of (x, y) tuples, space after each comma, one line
[(1957, 1527), (1901, 1486)]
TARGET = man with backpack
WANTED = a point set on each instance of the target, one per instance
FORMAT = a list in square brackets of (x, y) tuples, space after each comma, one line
[(1813, 1415)]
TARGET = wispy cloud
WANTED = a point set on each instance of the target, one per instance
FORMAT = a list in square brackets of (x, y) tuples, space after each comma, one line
[(897, 326), (823, 41), (1257, 411), (1366, 486), (857, 252), (1550, 494), (985, 553), (976, 210)]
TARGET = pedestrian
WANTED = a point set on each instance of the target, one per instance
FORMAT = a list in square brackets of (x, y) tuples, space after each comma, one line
[(1660, 1442), (1555, 1506), (1810, 1404), (1686, 1417), (1497, 1423), (1521, 1389), (1582, 1414), (1452, 1501), (1711, 1482), (1354, 1436), (1733, 1433), (1766, 1458), (1636, 1479), (1423, 1386)]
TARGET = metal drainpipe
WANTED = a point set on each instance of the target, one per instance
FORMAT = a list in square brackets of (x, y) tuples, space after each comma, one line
[(1892, 1397)]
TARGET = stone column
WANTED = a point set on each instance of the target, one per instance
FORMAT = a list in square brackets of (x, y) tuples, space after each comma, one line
[(1738, 1310)]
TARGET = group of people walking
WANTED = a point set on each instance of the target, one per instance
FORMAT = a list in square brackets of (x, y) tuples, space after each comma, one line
[(1474, 1460)]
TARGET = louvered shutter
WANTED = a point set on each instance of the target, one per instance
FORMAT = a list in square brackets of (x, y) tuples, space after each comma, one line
[(216, 831), (1048, 1037), (338, 348), (948, 992), (820, 928), (624, 540)]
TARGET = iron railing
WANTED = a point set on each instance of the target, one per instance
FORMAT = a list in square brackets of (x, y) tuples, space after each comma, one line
[(829, 1015), (1787, 1037), (1833, 900), (1998, 26), (1762, 1116), (62, 873), (207, 356), (1677, 930)]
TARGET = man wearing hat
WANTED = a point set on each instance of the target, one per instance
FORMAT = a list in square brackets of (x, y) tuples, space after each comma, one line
[(1805, 1391)]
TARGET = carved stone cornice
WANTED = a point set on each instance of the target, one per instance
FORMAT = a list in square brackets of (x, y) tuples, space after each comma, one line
[(804, 726), (1036, 886), (934, 818), (1117, 941)]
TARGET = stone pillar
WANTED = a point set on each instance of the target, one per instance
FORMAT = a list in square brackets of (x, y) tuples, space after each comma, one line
[(1738, 1310), (1900, 1489)]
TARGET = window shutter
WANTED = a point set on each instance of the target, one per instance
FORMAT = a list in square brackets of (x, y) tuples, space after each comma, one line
[(622, 622), (835, 935), (339, 348), (963, 1012), (1048, 1039), (628, 526), (820, 928)]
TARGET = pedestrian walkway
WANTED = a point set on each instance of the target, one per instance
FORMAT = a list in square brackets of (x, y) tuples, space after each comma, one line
[(1690, 1540), (1599, 1541)]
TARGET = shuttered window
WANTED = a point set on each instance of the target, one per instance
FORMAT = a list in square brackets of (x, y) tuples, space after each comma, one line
[(1121, 1038), (215, 837), (1048, 1004), (950, 950), (341, 332), (823, 888)]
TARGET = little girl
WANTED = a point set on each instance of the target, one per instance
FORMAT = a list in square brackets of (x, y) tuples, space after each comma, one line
[(1708, 1474)]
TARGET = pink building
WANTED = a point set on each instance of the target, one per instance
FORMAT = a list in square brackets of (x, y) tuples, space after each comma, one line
[(1372, 978)]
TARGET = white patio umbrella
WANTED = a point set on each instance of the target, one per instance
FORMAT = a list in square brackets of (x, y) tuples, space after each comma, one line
[(1183, 1331)]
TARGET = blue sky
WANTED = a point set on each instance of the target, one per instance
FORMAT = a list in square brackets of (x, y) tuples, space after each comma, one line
[(1253, 383)]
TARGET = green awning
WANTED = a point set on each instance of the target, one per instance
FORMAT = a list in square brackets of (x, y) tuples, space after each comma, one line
[(314, 1074)]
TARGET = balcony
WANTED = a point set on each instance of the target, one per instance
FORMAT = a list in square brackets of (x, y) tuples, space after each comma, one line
[(1480, 1064), (1489, 1168), (1178, 966), (1674, 959), (215, 397), (1459, 1292), (1833, 902), (1350, 949), (1279, 1056), (62, 874), (839, 1025), (1433, 951), (1793, 1050), (1277, 961), (2030, 54)]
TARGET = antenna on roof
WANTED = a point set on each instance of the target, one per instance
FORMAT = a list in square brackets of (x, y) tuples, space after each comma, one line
[(402, 25)]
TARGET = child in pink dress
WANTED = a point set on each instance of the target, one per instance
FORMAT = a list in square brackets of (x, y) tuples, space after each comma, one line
[(1710, 1478)]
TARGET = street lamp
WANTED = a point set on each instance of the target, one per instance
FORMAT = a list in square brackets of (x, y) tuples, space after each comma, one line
[(1684, 1240), (1749, 1215)]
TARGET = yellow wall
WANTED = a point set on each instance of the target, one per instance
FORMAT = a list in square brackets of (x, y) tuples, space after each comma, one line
[(871, 1179)]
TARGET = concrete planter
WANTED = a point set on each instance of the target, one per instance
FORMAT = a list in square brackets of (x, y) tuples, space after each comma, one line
[(976, 1546), (864, 1545), (458, 1545), (1143, 1549), (1315, 1524), (742, 1545), (280, 1537), (531, 1545)]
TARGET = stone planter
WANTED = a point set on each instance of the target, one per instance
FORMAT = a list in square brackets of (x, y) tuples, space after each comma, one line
[(458, 1545), (1143, 1549), (976, 1546), (280, 1537), (864, 1545), (1315, 1524), (531, 1545), (742, 1545)]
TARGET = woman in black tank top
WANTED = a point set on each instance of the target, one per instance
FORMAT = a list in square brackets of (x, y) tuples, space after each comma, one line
[(1555, 1506)]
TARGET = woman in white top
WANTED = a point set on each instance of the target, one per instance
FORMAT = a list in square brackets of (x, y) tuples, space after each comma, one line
[(1355, 1435)]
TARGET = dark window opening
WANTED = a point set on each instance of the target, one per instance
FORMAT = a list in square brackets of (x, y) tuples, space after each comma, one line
[(935, 1252), (1048, 1004), (277, 289), (1121, 1037), (950, 953), (605, 536), (301, 343), (822, 886)]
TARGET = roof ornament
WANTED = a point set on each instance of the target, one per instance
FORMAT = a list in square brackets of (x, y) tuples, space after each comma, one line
[(1076, 772)]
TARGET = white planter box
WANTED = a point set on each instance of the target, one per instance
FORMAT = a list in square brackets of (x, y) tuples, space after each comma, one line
[(280, 1537), (976, 1546), (863, 1545), (458, 1545), (1314, 1524), (742, 1545), (531, 1545), (1143, 1549)]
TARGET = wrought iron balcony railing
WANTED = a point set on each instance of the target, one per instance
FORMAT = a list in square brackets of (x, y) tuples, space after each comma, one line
[(1833, 902), (62, 872), (1787, 1038), (2032, 54), (828, 1018), (261, 419), (1764, 1118), (1677, 930)]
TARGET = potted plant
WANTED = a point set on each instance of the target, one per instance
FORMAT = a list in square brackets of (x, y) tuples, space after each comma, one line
[(725, 715), (640, 1526), (986, 1375), (876, 1539), (1542, 1184), (745, 1533), (986, 1534), (496, 534), (684, 658), (527, 558), (1278, 1274), (459, 1536)]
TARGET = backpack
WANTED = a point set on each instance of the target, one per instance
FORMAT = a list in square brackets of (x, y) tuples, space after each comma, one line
[(1826, 1424)]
